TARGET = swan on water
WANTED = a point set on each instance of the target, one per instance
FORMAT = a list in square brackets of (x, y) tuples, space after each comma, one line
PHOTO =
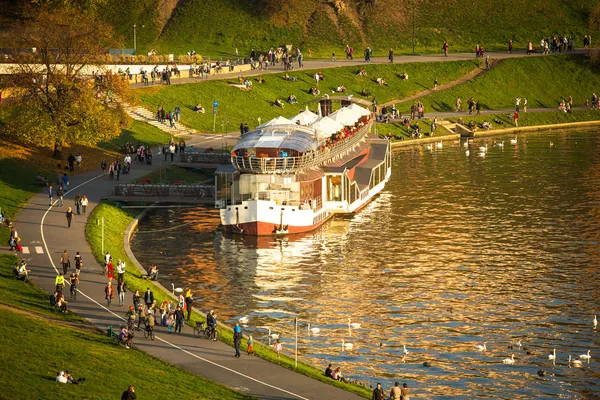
[(273, 335), (353, 325), (483, 148), (482, 154), (552, 357), (404, 349), (551, 144), (576, 362), (518, 344), (586, 356), (466, 143), (513, 141), (595, 322), (439, 145), (510, 360), (176, 290), (500, 144), (243, 320), (480, 347), (428, 147), (347, 345), (314, 330), (467, 152)]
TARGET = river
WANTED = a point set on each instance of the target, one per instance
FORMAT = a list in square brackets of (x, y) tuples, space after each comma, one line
[(457, 251)]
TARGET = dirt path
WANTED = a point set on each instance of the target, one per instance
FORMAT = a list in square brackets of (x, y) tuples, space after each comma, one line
[(465, 78)]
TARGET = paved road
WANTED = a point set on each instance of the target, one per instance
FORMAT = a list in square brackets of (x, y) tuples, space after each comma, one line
[(45, 236), (322, 64)]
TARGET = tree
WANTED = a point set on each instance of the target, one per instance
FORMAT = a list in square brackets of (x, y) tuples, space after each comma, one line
[(59, 100)]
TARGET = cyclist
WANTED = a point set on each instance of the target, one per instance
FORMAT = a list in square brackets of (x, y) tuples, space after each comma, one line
[(74, 281), (130, 315), (150, 322), (60, 282)]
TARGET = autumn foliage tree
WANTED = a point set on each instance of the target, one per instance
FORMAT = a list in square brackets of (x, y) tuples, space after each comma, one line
[(58, 100)]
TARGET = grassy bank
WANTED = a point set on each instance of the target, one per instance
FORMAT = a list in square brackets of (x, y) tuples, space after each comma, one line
[(237, 106), (48, 346), (117, 221), (19, 165), (544, 81), (533, 119)]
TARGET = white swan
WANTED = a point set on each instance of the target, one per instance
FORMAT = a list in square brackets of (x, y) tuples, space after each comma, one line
[(551, 144), (482, 154), (404, 349), (353, 325), (314, 331), (576, 362), (595, 322), (513, 141), (176, 290), (510, 360), (428, 147), (346, 345), (466, 143), (467, 152), (273, 335), (518, 344), (500, 144), (483, 148), (439, 145), (586, 356), (243, 320), (552, 357), (480, 347)]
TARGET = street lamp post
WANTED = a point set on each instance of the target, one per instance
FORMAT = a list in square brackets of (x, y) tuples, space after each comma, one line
[(134, 39)]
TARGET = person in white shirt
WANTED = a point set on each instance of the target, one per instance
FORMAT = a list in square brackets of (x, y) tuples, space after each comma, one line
[(121, 271), (61, 378)]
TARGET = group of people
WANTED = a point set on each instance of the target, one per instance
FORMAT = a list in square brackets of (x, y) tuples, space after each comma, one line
[(171, 116), (173, 148), (396, 393)]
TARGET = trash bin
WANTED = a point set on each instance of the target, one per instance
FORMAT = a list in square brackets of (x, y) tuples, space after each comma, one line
[(109, 331)]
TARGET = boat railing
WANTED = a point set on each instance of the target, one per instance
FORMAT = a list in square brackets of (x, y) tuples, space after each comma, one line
[(315, 158)]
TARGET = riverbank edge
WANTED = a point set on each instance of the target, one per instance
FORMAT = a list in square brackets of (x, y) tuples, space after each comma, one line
[(498, 132), (307, 369)]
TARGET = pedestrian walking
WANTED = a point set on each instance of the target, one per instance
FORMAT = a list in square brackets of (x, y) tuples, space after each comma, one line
[(84, 204), (50, 193), (237, 338), (179, 318), (177, 113), (172, 151), (69, 215), (250, 346), (120, 271), (189, 300), (478, 107), (516, 118), (148, 297), (78, 203), (65, 181), (110, 271), (378, 393), (109, 293), (395, 392), (435, 83), (391, 55), (136, 299), (59, 195), (65, 262), (78, 263), (103, 166), (524, 104), (445, 48), (121, 292), (510, 46), (405, 392), (278, 347), (487, 62)]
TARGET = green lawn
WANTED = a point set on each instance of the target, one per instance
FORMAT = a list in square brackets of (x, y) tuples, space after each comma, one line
[(544, 81), (532, 119), (117, 221), (137, 132), (33, 356), (237, 106)]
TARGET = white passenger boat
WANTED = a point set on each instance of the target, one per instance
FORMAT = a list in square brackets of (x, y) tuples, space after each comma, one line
[(290, 176)]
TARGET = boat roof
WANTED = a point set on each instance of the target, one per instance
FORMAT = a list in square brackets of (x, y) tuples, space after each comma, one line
[(289, 136)]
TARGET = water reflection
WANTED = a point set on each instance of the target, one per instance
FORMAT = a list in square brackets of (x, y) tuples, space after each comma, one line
[(458, 250)]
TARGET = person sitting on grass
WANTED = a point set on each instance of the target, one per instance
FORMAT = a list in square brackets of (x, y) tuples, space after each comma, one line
[(291, 99), (199, 109), (404, 76), (289, 78), (260, 80), (41, 179), (248, 83), (314, 91), (329, 372), (362, 72), (278, 103), (61, 304), (153, 272), (23, 272), (486, 125), (381, 82), (365, 93), (340, 89), (61, 378), (337, 375)]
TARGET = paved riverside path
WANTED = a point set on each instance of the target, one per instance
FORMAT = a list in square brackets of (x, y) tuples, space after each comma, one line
[(45, 230), (357, 61)]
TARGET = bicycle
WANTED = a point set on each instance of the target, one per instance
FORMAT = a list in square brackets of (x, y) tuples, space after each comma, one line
[(149, 333), (211, 333), (199, 329)]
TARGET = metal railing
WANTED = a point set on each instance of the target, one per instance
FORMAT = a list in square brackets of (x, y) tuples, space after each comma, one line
[(145, 190), (278, 165), (205, 158)]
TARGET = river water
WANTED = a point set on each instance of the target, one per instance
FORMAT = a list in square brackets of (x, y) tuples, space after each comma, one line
[(457, 251)]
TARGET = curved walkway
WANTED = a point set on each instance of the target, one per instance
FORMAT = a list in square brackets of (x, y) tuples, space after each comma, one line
[(45, 228)]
